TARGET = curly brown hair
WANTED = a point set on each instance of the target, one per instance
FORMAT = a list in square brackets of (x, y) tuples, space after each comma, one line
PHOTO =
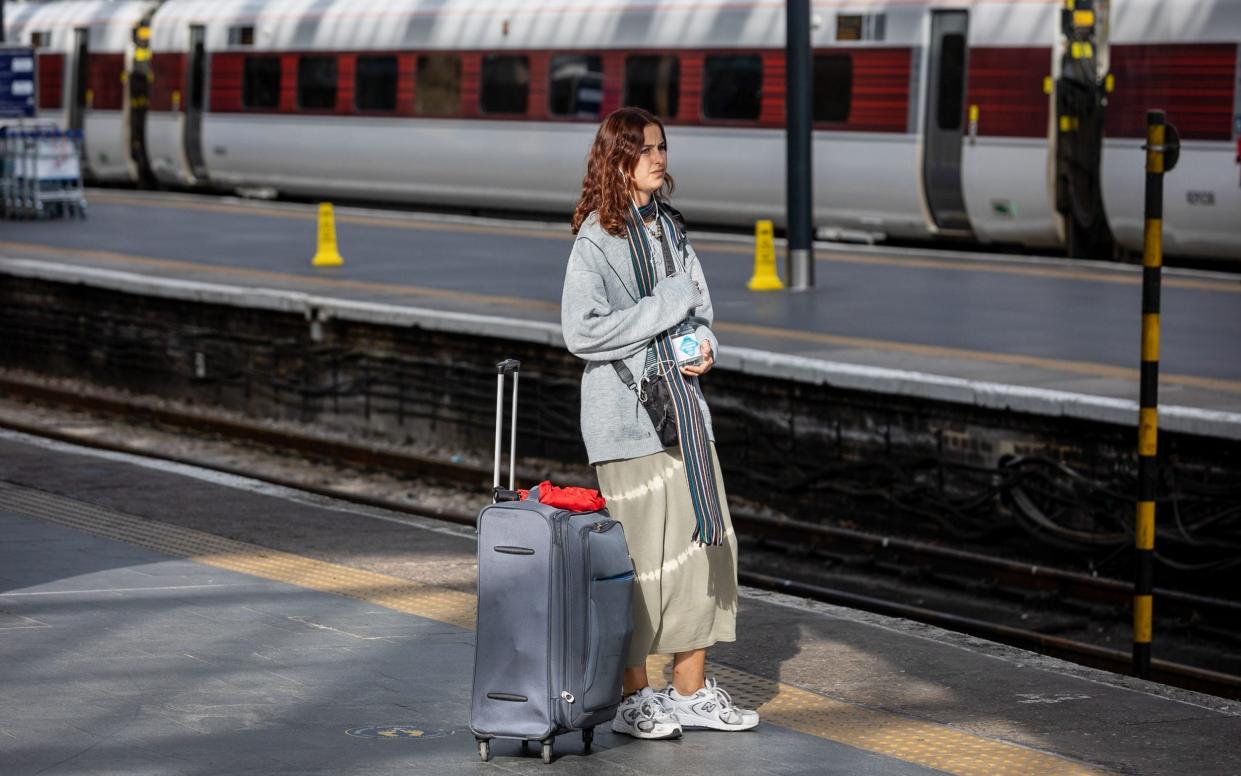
[(618, 146)]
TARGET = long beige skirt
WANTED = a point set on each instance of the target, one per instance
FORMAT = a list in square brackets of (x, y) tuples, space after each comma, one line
[(686, 594)]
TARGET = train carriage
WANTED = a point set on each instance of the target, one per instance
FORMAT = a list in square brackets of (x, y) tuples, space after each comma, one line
[(975, 119), (270, 119), (1183, 58)]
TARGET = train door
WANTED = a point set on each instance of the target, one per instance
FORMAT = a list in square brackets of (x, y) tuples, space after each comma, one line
[(196, 91), (944, 122), (139, 103), (80, 96)]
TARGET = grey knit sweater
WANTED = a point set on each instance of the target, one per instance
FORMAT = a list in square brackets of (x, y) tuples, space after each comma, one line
[(604, 318)]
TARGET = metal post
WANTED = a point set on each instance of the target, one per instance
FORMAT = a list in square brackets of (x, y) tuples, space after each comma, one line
[(495, 480), (1158, 133), (1, 21), (798, 90)]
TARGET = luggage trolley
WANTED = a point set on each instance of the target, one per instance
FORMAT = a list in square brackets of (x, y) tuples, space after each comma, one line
[(41, 172)]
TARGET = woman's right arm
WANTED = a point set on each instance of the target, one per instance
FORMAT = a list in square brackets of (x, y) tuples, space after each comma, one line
[(594, 330)]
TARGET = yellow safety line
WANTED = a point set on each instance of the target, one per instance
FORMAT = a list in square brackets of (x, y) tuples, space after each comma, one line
[(411, 222), (1079, 367), (887, 733), (484, 301), (430, 601), (392, 289), (1222, 286)]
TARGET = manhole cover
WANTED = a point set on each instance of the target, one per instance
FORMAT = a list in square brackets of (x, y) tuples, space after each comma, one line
[(395, 731)]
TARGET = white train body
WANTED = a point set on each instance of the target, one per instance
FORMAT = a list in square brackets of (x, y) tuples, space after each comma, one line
[(1197, 51), (899, 151)]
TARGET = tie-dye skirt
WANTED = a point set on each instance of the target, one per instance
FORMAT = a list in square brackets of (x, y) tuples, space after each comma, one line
[(686, 593)]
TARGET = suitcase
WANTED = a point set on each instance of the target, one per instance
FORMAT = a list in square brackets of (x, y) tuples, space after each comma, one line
[(554, 594)]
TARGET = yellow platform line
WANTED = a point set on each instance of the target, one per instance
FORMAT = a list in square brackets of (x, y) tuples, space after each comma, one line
[(893, 735), (411, 222), (314, 281), (1009, 359), (487, 301)]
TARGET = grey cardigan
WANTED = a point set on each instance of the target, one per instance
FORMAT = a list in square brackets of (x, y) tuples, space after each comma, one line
[(604, 319)]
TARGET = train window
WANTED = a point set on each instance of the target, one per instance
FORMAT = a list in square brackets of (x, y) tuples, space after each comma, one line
[(951, 81), (437, 87), (260, 83), (41, 39), (316, 83), (505, 84), (855, 27), (576, 86), (654, 84), (732, 87), (375, 83), (833, 87), (241, 36)]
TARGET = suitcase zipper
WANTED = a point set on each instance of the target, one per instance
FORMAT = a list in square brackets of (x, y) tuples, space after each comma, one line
[(566, 628), (599, 526)]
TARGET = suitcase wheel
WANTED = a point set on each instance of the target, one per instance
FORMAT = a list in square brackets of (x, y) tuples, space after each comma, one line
[(547, 751), (588, 735), (484, 749)]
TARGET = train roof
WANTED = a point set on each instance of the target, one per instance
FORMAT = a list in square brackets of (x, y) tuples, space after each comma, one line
[(668, 25), (110, 23)]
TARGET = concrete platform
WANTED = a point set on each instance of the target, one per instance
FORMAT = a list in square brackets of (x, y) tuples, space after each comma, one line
[(1047, 336), (156, 618)]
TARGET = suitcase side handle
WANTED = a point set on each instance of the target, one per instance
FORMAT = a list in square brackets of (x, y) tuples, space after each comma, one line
[(506, 367)]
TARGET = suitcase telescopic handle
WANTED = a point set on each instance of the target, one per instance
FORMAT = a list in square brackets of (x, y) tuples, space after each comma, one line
[(507, 366)]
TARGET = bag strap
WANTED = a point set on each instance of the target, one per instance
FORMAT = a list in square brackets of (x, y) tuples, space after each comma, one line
[(625, 375)]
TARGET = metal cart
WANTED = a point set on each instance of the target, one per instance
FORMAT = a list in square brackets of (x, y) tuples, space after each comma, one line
[(41, 172)]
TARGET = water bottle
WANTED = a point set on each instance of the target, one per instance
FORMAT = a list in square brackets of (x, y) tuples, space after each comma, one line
[(685, 344)]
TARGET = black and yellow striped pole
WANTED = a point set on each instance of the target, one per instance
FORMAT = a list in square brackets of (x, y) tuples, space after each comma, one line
[(1161, 153)]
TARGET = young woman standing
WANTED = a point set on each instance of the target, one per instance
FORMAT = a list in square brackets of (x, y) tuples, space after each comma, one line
[(632, 278)]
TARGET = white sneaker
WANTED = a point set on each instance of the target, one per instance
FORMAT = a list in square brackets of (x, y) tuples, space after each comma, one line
[(646, 714), (710, 707)]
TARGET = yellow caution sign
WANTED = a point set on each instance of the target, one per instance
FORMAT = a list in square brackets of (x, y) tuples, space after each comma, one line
[(765, 277), (327, 254)]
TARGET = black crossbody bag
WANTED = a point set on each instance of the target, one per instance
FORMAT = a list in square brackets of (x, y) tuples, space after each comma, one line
[(654, 393)]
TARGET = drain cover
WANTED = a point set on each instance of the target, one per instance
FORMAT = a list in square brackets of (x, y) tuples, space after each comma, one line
[(395, 731)]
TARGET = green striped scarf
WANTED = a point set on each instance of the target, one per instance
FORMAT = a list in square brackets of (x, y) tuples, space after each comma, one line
[(691, 426)]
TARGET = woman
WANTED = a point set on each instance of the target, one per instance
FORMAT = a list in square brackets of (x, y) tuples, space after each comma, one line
[(632, 277)]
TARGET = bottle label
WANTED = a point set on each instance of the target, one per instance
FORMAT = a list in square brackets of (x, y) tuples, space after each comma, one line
[(686, 346)]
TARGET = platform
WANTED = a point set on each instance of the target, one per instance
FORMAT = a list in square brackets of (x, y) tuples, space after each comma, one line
[(1039, 335), (161, 619)]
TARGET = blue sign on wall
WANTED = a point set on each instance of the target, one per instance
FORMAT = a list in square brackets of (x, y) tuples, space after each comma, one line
[(16, 83)]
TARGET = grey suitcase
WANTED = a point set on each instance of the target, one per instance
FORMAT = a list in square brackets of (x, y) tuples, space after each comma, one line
[(554, 597)]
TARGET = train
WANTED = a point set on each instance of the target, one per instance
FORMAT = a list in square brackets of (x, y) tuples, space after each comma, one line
[(1006, 122)]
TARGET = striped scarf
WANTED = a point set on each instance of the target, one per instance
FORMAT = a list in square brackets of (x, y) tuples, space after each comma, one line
[(691, 427)]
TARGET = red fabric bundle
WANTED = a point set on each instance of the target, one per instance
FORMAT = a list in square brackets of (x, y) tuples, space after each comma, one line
[(573, 498)]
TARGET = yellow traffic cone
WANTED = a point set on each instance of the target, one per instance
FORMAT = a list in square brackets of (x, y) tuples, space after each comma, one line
[(327, 254), (765, 277)]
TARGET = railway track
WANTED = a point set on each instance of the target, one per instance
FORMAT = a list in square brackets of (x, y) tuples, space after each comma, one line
[(809, 538)]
